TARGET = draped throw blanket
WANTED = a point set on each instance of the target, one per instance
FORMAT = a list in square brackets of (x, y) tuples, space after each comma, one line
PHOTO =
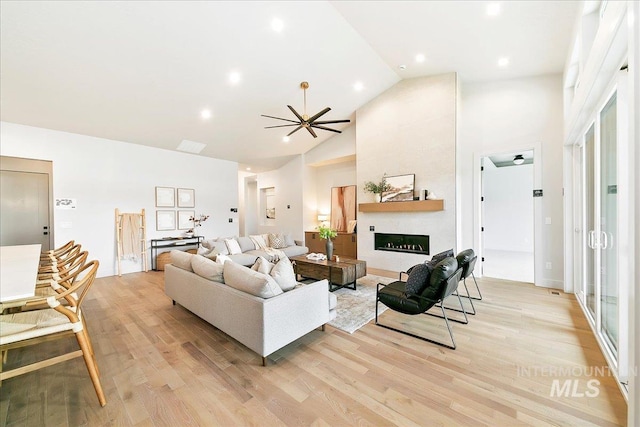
[(274, 254), (130, 229)]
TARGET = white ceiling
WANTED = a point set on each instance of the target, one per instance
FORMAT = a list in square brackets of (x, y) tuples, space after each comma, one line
[(142, 71)]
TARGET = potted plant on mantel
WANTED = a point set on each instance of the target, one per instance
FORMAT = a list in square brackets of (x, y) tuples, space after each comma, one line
[(377, 188), (327, 233)]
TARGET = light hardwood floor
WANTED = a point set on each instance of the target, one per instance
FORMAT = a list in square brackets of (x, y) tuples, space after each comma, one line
[(162, 366)]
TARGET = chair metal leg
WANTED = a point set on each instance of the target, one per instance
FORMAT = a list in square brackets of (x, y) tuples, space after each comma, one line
[(452, 347), (477, 287), (468, 296), (462, 310)]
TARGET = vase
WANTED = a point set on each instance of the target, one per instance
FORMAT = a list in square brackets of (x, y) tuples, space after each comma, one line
[(378, 197), (329, 249)]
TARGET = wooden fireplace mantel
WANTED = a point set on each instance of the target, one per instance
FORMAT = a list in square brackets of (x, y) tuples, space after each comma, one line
[(409, 206)]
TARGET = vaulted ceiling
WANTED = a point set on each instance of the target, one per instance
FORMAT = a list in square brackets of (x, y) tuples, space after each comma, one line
[(143, 71)]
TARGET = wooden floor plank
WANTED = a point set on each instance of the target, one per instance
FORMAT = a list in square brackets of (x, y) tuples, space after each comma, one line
[(161, 365)]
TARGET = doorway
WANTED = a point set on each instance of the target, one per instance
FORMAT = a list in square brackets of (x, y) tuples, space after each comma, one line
[(25, 202), (507, 216)]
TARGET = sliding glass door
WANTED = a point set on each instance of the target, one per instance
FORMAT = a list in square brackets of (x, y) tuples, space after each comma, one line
[(608, 240)]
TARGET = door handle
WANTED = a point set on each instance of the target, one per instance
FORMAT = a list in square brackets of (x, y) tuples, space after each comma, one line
[(605, 239)]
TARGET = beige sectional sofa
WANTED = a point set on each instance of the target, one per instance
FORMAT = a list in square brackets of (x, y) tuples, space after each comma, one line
[(248, 249), (262, 324)]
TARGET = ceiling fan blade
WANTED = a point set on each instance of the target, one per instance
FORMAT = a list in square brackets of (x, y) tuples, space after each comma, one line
[(326, 122), (312, 132), (326, 128), (325, 111), (282, 126), (296, 113), (295, 130), (279, 118)]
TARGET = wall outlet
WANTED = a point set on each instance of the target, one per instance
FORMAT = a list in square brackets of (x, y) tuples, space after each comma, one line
[(372, 228), (548, 266)]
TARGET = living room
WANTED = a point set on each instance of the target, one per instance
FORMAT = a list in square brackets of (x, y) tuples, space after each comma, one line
[(433, 126)]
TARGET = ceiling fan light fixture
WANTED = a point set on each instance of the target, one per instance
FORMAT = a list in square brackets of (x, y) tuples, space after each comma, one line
[(518, 159), (286, 139)]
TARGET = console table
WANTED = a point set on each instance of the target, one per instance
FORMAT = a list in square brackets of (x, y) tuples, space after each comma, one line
[(172, 242)]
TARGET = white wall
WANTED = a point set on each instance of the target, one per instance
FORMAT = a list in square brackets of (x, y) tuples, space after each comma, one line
[(288, 183), (333, 175), (104, 175), (409, 129), (511, 115), (508, 207)]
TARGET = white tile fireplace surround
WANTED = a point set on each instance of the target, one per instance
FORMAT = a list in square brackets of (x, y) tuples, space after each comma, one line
[(409, 129)]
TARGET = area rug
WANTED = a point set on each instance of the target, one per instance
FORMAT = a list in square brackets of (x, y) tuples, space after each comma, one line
[(357, 308)]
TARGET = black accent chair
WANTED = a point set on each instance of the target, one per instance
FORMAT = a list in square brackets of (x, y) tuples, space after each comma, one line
[(467, 261), (442, 281)]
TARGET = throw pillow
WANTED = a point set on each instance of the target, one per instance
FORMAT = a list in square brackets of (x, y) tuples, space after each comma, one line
[(252, 282), (246, 244), (222, 259), (284, 275), (288, 240), (233, 246), (207, 268), (418, 279), (258, 240), (262, 265), (181, 259), (276, 241)]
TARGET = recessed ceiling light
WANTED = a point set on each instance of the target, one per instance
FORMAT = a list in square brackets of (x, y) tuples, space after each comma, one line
[(205, 114), (493, 9), (234, 77), (248, 169), (191, 146), (285, 139), (503, 62), (420, 57), (358, 86), (402, 67), (277, 25)]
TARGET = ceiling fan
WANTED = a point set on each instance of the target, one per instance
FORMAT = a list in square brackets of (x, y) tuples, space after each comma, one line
[(304, 121)]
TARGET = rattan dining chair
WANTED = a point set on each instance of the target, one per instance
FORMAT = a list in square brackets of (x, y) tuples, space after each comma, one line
[(58, 321), (52, 260)]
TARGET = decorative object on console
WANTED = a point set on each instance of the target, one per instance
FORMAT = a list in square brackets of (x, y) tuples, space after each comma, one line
[(197, 222), (328, 233), (377, 188), (343, 206), (401, 188), (322, 219), (304, 121)]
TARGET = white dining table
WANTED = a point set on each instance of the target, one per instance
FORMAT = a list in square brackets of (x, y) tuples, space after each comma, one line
[(18, 271)]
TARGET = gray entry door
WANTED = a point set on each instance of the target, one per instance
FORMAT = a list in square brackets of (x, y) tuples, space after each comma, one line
[(24, 208)]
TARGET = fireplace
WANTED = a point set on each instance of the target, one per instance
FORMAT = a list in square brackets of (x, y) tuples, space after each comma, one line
[(407, 243)]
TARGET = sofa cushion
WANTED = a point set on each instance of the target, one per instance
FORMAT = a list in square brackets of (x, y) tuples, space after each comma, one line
[(258, 241), (288, 240), (233, 246), (262, 265), (276, 241), (246, 244), (284, 275), (218, 245), (181, 259), (207, 268), (295, 250), (252, 282), (208, 253), (247, 258)]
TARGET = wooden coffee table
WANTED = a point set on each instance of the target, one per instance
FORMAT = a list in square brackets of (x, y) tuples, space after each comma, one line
[(340, 274)]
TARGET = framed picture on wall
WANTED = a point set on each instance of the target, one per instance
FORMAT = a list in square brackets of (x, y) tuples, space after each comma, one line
[(165, 220), (165, 197), (186, 198), (401, 188), (184, 223)]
